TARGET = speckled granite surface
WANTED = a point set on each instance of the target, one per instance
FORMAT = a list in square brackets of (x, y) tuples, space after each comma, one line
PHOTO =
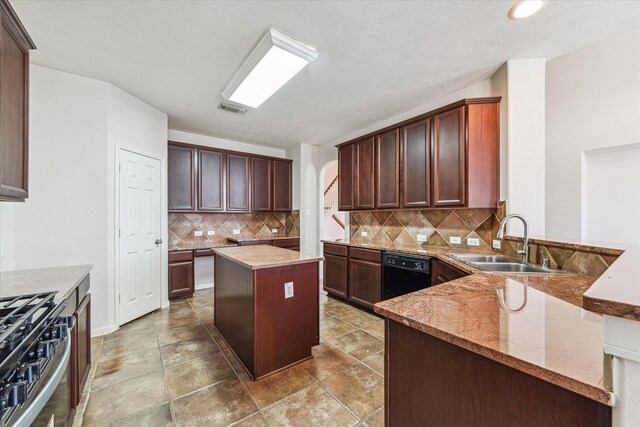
[(58, 279), (253, 239), (189, 246), (264, 256)]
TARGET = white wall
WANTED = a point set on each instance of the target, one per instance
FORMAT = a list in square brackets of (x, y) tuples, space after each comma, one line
[(592, 101), (69, 218), (224, 144), (499, 87)]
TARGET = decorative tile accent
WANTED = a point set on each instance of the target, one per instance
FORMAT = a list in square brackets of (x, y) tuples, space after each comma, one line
[(251, 225)]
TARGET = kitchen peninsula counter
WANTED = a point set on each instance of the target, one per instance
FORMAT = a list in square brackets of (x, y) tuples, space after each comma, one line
[(267, 305)]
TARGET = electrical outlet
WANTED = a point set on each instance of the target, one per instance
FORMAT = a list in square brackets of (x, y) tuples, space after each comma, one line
[(236, 232), (364, 233), (211, 233), (197, 233), (422, 237), (454, 240), (288, 290), (274, 230), (473, 241), (497, 244)]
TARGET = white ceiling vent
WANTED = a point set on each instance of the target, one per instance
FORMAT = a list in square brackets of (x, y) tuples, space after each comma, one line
[(235, 109)]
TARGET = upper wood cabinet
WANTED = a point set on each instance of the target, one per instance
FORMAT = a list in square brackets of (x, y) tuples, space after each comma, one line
[(346, 173), (449, 163), (282, 185), (15, 44), (238, 182), (365, 178), (416, 164), (387, 170), (448, 157), (210, 180), (261, 184), (182, 178)]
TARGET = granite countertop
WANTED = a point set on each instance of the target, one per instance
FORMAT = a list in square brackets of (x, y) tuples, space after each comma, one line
[(62, 280), (552, 338), (256, 239), (263, 256), (199, 245)]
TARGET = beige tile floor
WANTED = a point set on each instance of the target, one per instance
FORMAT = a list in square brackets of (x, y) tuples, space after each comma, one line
[(170, 368)]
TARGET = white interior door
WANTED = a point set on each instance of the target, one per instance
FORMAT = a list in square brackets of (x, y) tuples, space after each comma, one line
[(140, 234)]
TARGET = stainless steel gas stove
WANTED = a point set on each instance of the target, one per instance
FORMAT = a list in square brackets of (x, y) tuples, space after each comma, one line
[(34, 354)]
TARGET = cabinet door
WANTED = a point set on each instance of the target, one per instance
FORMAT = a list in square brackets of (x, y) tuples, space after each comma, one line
[(365, 282), (282, 185), (335, 275), (365, 182), (442, 272), (388, 170), (82, 337), (14, 109), (237, 182), (346, 159), (261, 184), (449, 163), (210, 180), (182, 178), (181, 279), (416, 165)]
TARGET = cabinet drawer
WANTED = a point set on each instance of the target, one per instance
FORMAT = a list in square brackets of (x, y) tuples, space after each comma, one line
[(255, 243), (365, 254), (338, 250), (180, 256), (203, 252), (286, 243)]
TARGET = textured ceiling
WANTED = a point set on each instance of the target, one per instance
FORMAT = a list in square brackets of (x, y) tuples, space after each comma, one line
[(377, 59)]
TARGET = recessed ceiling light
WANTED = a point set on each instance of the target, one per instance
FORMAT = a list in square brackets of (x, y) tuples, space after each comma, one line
[(274, 61), (525, 8)]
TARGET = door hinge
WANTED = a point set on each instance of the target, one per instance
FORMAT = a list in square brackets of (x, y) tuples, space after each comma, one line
[(119, 233)]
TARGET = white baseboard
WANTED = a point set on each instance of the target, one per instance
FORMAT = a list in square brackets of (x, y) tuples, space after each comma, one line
[(105, 330), (204, 286)]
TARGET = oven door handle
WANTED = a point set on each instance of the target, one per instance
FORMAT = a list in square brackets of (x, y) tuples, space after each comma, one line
[(36, 405)]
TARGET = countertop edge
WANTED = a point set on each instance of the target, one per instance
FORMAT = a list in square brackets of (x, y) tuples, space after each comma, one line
[(272, 265)]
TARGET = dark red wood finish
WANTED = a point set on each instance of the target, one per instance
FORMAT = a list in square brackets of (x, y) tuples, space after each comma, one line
[(346, 177), (483, 154), (238, 183), (449, 158), (210, 180), (365, 282), (387, 169), (15, 44), (336, 270), (442, 272), (430, 382), (181, 178), (82, 366), (254, 242), (365, 174), (292, 244), (181, 275), (282, 185), (416, 164), (261, 184)]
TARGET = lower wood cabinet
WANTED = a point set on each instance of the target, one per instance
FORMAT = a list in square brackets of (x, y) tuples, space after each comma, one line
[(181, 277), (442, 272), (335, 275), (292, 244), (82, 348)]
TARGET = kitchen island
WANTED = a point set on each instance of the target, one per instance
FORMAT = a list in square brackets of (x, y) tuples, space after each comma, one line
[(267, 305)]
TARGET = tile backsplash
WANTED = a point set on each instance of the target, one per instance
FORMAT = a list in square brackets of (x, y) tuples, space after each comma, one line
[(404, 226), (182, 226)]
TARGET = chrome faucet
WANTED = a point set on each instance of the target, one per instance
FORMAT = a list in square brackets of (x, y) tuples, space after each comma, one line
[(524, 252)]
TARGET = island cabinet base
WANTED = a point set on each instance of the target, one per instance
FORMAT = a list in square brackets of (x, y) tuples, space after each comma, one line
[(265, 330), (430, 382)]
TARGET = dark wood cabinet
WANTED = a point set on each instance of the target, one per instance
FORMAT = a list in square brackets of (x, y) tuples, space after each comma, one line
[(181, 178), (181, 278), (387, 170), (336, 270), (292, 244), (238, 182), (442, 272), (210, 180), (365, 174), (82, 347), (449, 160), (261, 184), (365, 282), (15, 44), (282, 185), (416, 164), (254, 242), (346, 174)]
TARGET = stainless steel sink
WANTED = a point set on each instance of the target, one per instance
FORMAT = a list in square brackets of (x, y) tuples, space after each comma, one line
[(502, 264)]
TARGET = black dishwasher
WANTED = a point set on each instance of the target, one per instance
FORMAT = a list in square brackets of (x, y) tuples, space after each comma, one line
[(404, 273)]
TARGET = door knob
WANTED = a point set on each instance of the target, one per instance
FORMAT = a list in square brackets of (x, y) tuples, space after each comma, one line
[(158, 241)]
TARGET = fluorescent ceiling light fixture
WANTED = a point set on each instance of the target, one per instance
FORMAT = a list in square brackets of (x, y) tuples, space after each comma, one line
[(274, 61), (525, 8)]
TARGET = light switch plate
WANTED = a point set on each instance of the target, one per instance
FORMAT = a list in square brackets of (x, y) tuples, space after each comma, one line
[(473, 241), (236, 232), (288, 290), (364, 233), (211, 233), (422, 237), (454, 240), (497, 244), (274, 230), (197, 233)]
